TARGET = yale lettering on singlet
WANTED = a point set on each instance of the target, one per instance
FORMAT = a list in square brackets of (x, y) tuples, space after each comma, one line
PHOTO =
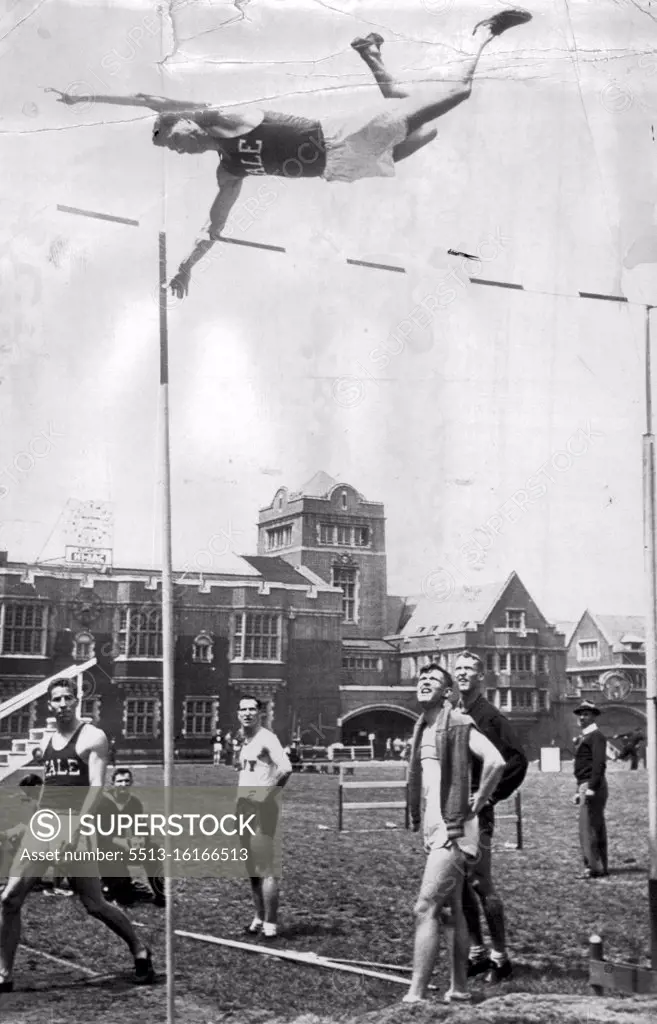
[(250, 156), (62, 767)]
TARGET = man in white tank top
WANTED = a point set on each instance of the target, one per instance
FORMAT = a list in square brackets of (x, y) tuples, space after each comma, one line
[(263, 766), (443, 745)]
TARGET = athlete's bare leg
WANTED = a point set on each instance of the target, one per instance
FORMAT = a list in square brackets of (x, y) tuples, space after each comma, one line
[(442, 887), (430, 99), (369, 49), (13, 897)]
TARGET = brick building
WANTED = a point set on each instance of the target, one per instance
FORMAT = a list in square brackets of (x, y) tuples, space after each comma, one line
[(523, 654), (263, 628), (330, 528), (606, 663)]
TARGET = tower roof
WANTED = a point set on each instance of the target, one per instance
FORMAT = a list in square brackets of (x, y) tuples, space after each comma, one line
[(318, 486)]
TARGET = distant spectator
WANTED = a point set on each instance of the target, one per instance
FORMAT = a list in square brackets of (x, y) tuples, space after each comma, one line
[(592, 792), (228, 749), (630, 747), (217, 748)]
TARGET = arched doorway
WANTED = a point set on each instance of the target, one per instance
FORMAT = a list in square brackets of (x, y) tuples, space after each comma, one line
[(386, 721), (620, 718)]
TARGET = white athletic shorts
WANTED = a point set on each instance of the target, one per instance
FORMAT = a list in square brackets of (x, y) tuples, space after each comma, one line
[(361, 145)]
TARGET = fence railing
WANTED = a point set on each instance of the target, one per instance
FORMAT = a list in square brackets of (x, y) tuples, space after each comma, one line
[(19, 700)]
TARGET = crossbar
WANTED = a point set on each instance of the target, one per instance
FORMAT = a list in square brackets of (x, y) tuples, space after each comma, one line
[(310, 959)]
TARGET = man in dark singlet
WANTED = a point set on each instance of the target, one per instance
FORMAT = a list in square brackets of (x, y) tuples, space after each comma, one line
[(121, 800), (76, 757), (338, 148)]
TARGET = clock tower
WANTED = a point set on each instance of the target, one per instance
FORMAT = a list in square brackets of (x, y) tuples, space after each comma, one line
[(332, 529)]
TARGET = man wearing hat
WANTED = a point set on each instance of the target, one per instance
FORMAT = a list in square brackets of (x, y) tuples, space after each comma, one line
[(592, 792)]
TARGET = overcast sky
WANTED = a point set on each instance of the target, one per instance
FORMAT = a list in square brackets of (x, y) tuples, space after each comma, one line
[(503, 432)]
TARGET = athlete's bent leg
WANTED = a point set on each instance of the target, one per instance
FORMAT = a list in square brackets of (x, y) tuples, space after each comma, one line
[(369, 49), (91, 897), (432, 99), (11, 901), (416, 140)]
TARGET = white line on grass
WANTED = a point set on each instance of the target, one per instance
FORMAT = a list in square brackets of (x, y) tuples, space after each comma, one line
[(63, 963)]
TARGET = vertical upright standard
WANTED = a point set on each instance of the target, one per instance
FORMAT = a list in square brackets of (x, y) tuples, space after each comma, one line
[(167, 614), (649, 524)]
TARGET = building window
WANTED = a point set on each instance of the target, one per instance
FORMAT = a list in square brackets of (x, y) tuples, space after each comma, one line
[(140, 633), (542, 700), (588, 650), (85, 647), (202, 649), (345, 578), (89, 708), (326, 533), (504, 699), (490, 696), (515, 661), (361, 536), (18, 724), (24, 628), (140, 717), (257, 637), (522, 699), (490, 662), (515, 619), (542, 663), (344, 499), (344, 536), (279, 537), (199, 716), (361, 662)]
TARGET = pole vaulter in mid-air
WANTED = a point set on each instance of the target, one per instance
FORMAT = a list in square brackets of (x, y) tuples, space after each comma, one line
[(336, 148)]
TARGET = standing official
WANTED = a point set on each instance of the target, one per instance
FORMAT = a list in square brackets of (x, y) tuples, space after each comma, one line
[(469, 674), (590, 768)]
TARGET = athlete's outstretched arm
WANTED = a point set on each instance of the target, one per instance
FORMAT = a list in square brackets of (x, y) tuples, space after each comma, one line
[(229, 190), (140, 99)]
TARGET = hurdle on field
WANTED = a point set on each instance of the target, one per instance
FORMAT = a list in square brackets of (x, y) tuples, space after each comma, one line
[(516, 816), (359, 805)]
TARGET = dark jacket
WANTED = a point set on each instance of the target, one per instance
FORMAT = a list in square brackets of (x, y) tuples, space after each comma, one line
[(591, 759), (498, 730), (453, 752)]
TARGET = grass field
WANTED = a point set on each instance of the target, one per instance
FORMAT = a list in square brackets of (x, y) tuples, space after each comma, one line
[(351, 896)]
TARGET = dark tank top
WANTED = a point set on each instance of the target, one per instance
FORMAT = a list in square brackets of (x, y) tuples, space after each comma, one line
[(65, 769), (282, 145)]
